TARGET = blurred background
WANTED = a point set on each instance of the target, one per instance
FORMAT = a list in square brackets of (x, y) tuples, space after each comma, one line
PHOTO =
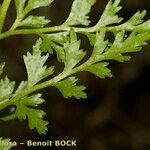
[(116, 114)]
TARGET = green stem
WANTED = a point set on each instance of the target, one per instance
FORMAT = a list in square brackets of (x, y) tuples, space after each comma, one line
[(3, 13), (43, 30), (59, 29)]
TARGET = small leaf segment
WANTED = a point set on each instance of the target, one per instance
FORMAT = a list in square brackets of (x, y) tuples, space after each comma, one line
[(20, 100)]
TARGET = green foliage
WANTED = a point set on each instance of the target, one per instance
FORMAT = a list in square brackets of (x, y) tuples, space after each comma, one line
[(73, 55), (99, 69), (50, 42), (63, 40), (109, 15), (34, 65), (137, 23), (79, 11), (123, 45), (25, 108), (70, 83), (23, 9)]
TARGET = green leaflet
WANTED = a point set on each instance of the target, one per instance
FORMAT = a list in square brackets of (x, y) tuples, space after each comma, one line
[(99, 69), (79, 11), (6, 89), (73, 55), (25, 108), (121, 45), (49, 39), (36, 121), (69, 88), (33, 100), (35, 65), (54, 42), (144, 27), (23, 7), (99, 46), (34, 21), (5, 147), (136, 19), (109, 15), (137, 22)]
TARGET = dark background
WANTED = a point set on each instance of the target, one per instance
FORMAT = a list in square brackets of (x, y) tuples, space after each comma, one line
[(116, 114)]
